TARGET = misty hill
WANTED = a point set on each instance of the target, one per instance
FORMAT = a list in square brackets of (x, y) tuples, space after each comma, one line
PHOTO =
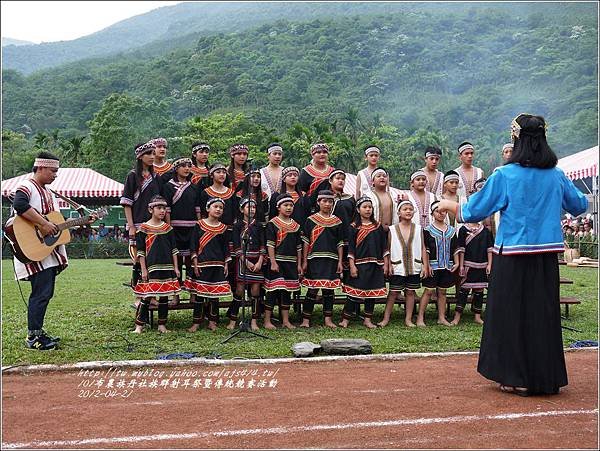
[(16, 42), (172, 27), (461, 76), (168, 23)]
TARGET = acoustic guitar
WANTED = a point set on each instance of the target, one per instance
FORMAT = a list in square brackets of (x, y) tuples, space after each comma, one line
[(28, 242)]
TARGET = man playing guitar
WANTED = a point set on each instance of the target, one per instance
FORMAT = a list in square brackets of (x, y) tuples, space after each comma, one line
[(33, 200)]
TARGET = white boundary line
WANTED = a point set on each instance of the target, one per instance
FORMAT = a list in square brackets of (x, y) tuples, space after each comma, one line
[(216, 362), (294, 429)]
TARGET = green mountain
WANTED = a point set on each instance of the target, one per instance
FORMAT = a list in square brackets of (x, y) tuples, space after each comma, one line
[(10, 41), (170, 27), (455, 74)]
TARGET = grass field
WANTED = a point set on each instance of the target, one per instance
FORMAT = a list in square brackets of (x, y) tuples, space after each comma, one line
[(91, 313)]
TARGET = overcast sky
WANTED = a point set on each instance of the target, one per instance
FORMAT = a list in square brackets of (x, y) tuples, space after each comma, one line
[(49, 21)]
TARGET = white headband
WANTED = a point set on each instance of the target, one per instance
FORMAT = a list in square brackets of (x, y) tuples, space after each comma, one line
[(377, 171), (464, 147), (45, 163), (405, 202), (507, 146), (368, 150), (274, 148), (416, 174)]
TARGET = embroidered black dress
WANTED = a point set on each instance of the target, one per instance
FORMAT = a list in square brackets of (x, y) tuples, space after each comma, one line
[(138, 199), (344, 206), (182, 200), (230, 204), (475, 243), (311, 181), (157, 245), (324, 235), (211, 245), (367, 245), (286, 239), (256, 248), (200, 177)]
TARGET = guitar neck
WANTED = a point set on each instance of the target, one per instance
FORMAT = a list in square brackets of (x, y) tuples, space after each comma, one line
[(72, 223)]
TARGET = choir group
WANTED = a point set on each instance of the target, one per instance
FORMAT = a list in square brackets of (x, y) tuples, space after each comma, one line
[(267, 232)]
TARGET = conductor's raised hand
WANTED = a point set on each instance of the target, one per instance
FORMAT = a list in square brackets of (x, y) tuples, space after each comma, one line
[(446, 205)]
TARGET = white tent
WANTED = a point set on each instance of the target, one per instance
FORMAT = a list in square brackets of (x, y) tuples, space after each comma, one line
[(582, 168), (581, 165)]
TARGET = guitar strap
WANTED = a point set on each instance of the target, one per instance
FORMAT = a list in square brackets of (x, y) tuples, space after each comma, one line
[(80, 208)]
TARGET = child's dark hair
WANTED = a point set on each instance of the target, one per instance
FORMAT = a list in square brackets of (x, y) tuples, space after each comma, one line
[(139, 168), (356, 219), (194, 161), (231, 170), (174, 175), (283, 186), (255, 192), (531, 148)]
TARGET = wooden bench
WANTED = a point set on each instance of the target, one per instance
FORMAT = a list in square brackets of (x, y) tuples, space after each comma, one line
[(340, 299)]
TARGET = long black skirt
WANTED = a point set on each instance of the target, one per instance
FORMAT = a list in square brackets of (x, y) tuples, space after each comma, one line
[(522, 342)]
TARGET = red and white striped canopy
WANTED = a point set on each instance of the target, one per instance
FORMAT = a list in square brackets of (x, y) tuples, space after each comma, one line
[(73, 182), (580, 165)]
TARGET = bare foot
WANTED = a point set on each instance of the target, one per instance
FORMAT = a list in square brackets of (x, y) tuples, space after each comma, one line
[(444, 322), (269, 325), (153, 302), (343, 323), (194, 328), (138, 329), (383, 322), (329, 323), (420, 323), (212, 325), (231, 325), (478, 320), (409, 324), (163, 330), (254, 325), (305, 323), (454, 322), (288, 325), (369, 324)]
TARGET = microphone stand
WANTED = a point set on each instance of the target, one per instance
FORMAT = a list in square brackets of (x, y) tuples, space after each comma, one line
[(244, 325)]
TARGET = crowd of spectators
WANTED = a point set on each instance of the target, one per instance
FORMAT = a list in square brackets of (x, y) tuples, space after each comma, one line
[(99, 233), (579, 227)]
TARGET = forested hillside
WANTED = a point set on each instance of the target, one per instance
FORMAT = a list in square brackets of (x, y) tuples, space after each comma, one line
[(402, 80), (170, 27)]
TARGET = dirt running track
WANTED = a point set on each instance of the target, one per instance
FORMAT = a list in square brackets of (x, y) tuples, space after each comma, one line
[(432, 402)]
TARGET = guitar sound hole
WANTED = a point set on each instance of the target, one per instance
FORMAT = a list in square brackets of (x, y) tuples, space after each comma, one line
[(49, 240)]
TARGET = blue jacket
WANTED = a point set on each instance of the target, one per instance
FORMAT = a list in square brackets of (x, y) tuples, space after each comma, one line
[(530, 201)]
